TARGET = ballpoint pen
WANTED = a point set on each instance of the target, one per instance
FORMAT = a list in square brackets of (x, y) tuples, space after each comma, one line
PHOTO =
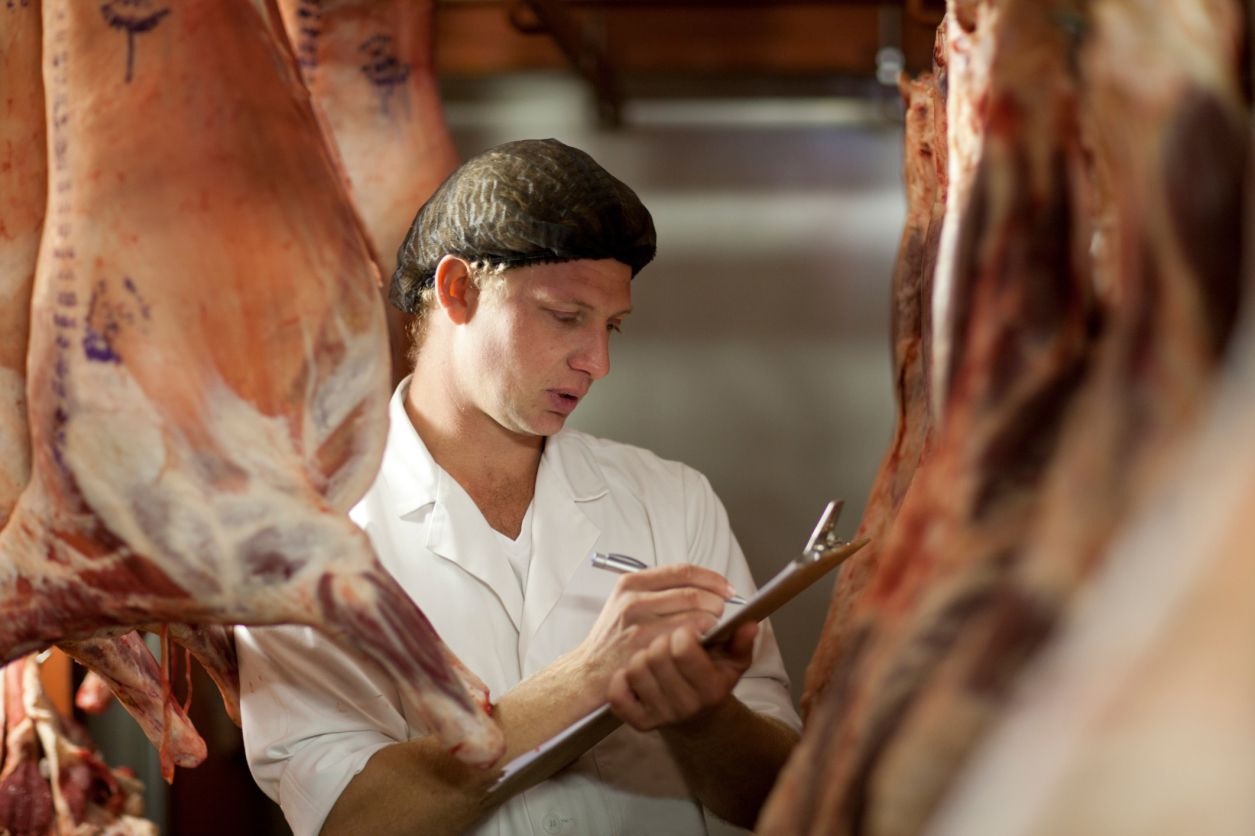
[(625, 565)]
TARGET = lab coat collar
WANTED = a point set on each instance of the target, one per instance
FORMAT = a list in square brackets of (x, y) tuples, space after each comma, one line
[(410, 472), (568, 477)]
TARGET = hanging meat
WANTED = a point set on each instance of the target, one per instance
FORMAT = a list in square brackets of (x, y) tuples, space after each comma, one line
[(1020, 307), (53, 780), (208, 379), (968, 46), (1138, 718), (122, 661), (369, 66), (975, 581), (23, 185), (925, 175)]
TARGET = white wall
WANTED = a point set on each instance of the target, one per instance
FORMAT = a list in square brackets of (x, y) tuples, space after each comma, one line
[(759, 350)]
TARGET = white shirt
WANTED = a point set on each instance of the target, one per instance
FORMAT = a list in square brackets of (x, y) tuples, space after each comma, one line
[(313, 715)]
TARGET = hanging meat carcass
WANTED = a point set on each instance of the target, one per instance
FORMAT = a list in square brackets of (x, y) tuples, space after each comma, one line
[(1139, 720), (1158, 105), (23, 185), (1156, 652), (969, 50), (53, 781), (925, 175), (1176, 253), (369, 66), (123, 661), (208, 369), (1020, 309)]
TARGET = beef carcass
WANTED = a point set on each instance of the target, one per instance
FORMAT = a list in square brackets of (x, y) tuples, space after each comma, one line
[(1021, 305), (123, 661), (969, 51), (369, 66), (1164, 626), (23, 183), (124, 666), (925, 176), (54, 781), (25, 797), (208, 365), (1137, 719), (1161, 91)]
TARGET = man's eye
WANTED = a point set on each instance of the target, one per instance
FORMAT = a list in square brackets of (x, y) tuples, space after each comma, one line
[(565, 316), (615, 327)]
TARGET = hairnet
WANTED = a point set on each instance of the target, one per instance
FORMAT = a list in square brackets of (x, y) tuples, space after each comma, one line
[(524, 202)]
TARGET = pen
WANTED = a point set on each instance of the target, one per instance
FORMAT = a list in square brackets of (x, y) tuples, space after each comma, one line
[(625, 565)]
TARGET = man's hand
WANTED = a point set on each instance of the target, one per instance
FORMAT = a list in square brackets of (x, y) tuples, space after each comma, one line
[(676, 680), (645, 607)]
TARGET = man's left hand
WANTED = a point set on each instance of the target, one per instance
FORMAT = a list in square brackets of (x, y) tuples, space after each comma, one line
[(676, 680)]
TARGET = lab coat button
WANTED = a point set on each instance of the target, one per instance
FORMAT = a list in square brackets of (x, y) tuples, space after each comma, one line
[(555, 823)]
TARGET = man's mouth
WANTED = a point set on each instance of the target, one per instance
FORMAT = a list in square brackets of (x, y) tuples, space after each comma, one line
[(563, 400)]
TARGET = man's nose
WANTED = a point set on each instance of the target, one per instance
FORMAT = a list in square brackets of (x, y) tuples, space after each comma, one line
[(593, 357)]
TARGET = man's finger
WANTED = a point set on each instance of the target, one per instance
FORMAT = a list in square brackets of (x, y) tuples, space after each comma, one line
[(643, 605), (624, 702), (677, 575), (681, 694)]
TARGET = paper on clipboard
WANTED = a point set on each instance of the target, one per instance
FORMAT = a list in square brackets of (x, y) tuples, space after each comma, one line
[(823, 553)]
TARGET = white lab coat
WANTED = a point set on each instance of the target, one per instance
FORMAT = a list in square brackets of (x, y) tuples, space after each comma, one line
[(313, 716)]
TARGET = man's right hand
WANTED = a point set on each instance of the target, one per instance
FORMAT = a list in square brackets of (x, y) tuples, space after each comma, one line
[(645, 605)]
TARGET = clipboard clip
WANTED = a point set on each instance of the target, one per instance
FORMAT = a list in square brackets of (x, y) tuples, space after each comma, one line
[(824, 539)]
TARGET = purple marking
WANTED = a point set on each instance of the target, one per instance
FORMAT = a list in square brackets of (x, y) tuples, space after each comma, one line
[(308, 30), (136, 17), (103, 324), (144, 310), (382, 68)]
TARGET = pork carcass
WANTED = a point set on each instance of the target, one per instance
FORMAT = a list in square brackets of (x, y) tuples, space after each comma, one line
[(369, 66), (925, 176), (122, 661), (208, 381), (1021, 305)]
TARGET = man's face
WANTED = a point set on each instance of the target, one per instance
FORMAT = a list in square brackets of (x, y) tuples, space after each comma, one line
[(536, 342)]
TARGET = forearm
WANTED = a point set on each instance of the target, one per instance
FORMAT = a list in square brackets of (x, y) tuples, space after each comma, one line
[(730, 757), (417, 787)]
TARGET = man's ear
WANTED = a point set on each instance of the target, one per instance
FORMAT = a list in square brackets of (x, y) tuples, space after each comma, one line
[(455, 291)]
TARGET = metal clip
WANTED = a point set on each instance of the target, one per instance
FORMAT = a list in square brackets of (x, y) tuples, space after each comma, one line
[(824, 538)]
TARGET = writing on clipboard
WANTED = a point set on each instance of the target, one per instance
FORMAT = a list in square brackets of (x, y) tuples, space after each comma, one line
[(824, 551)]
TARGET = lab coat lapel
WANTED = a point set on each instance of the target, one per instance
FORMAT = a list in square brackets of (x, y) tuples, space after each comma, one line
[(568, 480), (458, 533)]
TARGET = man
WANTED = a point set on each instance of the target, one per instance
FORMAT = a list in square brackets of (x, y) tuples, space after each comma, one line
[(487, 511)]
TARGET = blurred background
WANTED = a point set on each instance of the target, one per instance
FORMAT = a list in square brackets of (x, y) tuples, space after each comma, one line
[(766, 139)]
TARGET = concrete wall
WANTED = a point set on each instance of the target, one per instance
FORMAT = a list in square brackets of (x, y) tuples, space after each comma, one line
[(759, 350)]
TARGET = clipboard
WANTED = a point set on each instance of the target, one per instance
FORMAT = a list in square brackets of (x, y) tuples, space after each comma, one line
[(823, 552)]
